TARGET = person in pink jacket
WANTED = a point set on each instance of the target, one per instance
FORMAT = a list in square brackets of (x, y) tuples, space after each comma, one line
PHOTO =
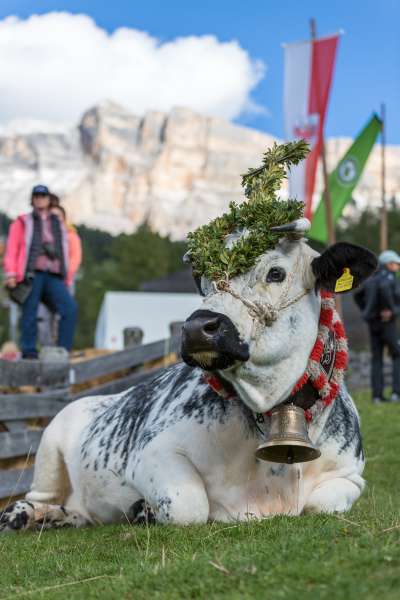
[(74, 246), (48, 320), (37, 258)]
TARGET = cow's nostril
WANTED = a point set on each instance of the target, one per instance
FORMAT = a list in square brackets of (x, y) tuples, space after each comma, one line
[(211, 326), (211, 341)]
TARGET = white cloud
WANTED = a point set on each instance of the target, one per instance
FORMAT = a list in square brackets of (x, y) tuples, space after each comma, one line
[(55, 66)]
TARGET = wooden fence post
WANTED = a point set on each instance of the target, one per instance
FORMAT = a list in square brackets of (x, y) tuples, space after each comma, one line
[(133, 336)]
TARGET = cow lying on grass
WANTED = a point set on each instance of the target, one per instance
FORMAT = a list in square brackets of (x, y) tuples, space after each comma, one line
[(172, 450)]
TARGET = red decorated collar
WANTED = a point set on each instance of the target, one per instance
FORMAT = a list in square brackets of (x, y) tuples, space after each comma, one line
[(326, 365)]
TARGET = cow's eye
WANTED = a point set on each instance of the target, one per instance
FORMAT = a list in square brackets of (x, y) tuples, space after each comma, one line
[(276, 275)]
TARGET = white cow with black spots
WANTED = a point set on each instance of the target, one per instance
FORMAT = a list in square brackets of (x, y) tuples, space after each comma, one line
[(171, 450)]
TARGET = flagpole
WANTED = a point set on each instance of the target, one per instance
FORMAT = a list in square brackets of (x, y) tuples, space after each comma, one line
[(384, 222), (330, 227), (327, 193)]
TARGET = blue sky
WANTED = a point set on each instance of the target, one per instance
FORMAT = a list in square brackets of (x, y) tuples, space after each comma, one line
[(367, 70)]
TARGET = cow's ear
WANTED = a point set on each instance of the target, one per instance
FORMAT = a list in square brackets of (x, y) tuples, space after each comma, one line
[(343, 267), (197, 281), (196, 278)]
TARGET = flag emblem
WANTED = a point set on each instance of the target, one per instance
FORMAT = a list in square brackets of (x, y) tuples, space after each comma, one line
[(307, 129), (347, 172)]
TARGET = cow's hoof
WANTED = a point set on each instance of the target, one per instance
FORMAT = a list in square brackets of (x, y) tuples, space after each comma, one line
[(58, 517), (18, 515), (141, 513)]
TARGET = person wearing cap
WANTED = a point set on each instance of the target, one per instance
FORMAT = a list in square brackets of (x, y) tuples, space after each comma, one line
[(379, 301), (48, 320), (37, 258)]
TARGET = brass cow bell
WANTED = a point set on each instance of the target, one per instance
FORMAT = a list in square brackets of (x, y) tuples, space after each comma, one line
[(288, 441)]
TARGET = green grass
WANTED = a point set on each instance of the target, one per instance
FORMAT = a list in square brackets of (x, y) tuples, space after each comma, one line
[(352, 556)]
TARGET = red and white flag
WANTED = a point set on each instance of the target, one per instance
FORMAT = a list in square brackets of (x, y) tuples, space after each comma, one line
[(308, 76)]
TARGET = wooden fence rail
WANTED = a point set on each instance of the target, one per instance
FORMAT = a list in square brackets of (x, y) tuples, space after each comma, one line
[(15, 482), (55, 382)]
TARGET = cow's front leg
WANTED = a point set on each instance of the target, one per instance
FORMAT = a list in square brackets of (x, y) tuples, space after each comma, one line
[(141, 513), (173, 488), (23, 515), (337, 494)]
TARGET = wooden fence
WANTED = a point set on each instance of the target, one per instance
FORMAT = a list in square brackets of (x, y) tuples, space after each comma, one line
[(22, 414)]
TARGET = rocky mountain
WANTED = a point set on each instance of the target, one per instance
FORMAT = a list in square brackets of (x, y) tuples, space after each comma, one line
[(175, 171)]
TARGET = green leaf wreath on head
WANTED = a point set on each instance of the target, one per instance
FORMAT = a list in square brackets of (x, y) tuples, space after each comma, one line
[(262, 210)]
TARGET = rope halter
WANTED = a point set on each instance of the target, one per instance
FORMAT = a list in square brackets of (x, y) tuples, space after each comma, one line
[(266, 312)]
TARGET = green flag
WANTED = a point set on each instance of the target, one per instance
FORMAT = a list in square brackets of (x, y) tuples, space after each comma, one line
[(345, 177)]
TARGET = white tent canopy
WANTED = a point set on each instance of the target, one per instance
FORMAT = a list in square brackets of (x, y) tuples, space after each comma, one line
[(152, 312)]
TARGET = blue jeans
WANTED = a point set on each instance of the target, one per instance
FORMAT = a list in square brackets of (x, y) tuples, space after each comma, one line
[(51, 290)]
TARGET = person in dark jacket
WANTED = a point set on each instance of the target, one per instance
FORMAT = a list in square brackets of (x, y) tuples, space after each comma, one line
[(37, 259), (379, 301)]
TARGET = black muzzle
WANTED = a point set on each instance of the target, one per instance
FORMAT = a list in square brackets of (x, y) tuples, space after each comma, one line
[(211, 341)]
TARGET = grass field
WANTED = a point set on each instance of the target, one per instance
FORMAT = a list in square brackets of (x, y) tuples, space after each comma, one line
[(333, 557)]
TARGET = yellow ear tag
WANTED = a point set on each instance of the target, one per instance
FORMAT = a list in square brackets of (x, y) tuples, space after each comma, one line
[(345, 281)]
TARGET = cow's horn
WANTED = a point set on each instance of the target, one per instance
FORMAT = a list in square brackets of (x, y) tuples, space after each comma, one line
[(298, 226)]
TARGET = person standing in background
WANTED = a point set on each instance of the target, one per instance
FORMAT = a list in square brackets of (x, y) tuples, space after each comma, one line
[(36, 266), (54, 200), (74, 246), (379, 301), (48, 320)]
